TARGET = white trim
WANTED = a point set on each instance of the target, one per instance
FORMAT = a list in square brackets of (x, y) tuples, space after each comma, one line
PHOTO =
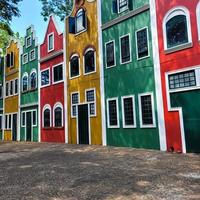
[(153, 125), (29, 37), (124, 8), (95, 61), (73, 77), (134, 112), (24, 62), (117, 112), (198, 18), (33, 50), (147, 31), (48, 36), (46, 106), (47, 69), (130, 49), (111, 41), (58, 105), (91, 102), (25, 74), (74, 104), (178, 10), (60, 81)]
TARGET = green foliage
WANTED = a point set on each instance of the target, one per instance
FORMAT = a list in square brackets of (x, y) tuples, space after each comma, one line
[(60, 8)]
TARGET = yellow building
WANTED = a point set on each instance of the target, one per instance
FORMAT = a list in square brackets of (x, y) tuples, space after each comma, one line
[(11, 92), (83, 74)]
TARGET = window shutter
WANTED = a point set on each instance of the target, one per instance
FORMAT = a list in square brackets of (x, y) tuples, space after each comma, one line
[(114, 6), (130, 4), (12, 59), (84, 20), (72, 25)]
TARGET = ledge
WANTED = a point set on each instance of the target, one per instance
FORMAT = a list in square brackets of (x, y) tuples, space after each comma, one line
[(178, 48), (51, 56)]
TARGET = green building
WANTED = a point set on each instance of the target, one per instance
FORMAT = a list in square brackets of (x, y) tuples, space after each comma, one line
[(129, 77), (29, 88), (1, 95)]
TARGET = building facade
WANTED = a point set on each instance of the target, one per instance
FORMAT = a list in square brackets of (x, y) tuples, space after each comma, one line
[(52, 69), (178, 33), (83, 74), (132, 116), (29, 87), (11, 94)]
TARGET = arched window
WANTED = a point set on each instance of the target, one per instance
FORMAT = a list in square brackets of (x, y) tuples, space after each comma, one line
[(24, 82), (177, 28), (89, 61), (74, 66), (58, 115), (198, 18), (80, 20), (33, 80), (47, 116)]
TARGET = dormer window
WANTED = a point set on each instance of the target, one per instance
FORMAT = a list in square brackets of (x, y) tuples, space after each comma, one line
[(50, 42), (80, 21)]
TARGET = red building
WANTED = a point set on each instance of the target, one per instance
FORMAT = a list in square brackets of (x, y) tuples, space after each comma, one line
[(178, 29), (52, 85)]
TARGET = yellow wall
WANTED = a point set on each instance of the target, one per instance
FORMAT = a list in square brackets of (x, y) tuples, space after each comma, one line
[(77, 44), (11, 104)]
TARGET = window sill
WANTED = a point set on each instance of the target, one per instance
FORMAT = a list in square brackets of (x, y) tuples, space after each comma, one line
[(178, 48), (74, 77), (77, 34), (57, 82), (24, 92), (86, 74)]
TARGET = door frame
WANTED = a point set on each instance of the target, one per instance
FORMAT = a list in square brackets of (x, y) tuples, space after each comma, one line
[(77, 129)]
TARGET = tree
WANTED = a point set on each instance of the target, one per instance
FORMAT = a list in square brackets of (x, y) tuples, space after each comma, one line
[(60, 8)]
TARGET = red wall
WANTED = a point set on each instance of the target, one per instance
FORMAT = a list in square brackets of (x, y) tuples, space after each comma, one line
[(53, 93), (177, 60)]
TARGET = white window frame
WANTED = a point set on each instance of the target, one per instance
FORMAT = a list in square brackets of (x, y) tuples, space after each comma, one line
[(147, 30), (73, 77), (198, 18), (29, 37), (74, 104), (26, 61), (124, 9), (134, 111), (42, 86), (179, 10), (58, 105), (48, 36), (89, 102), (108, 114), (95, 62), (130, 48), (25, 75), (114, 54), (153, 110), (33, 71), (46, 106), (31, 59), (54, 66)]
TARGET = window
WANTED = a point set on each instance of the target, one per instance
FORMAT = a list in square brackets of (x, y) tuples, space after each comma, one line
[(122, 5), (10, 59), (10, 122), (90, 98), (1, 91), (25, 58), (58, 116), (89, 61), (47, 117), (74, 66), (146, 106), (182, 80), (25, 82), (177, 28), (33, 80), (6, 122), (51, 42), (7, 89), (28, 41), (34, 113), (198, 18), (110, 54), (125, 49), (112, 111), (57, 73), (142, 43), (80, 21), (23, 119), (32, 55), (1, 121), (16, 86), (128, 109), (45, 77), (74, 102), (11, 87)]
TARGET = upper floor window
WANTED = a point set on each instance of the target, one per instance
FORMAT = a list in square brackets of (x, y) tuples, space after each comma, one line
[(80, 20), (58, 73), (89, 61), (33, 80), (198, 18), (110, 54), (74, 66), (28, 41), (24, 82), (45, 77), (50, 42), (58, 115), (122, 5), (25, 58), (10, 59), (125, 51), (177, 28), (32, 55)]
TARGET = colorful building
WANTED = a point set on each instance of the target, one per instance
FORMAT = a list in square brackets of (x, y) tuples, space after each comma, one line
[(133, 115), (1, 95), (52, 70), (83, 74), (178, 35), (11, 88), (29, 87)]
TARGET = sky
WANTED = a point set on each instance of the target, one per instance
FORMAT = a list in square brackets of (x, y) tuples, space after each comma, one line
[(30, 15)]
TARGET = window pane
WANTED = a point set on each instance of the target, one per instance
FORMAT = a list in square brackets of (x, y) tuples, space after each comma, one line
[(177, 31), (58, 117), (74, 64), (58, 73), (90, 96), (6, 121), (10, 121), (23, 119), (16, 86), (123, 5), (45, 77), (47, 118), (112, 106), (142, 43), (128, 111), (25, 83), (32, 55), (11, 87), (50, 44), (75, 101), (125, 49), (89, 62), (7, 89), (33, 80), (80, 21), (110, 57), (34, 118), (147, 113)]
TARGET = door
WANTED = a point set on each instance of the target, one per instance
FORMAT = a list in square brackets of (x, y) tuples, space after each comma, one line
[(83, 124), (28, 126), (14, 127)]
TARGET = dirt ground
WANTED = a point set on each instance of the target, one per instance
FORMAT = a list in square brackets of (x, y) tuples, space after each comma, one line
[(36, 171)]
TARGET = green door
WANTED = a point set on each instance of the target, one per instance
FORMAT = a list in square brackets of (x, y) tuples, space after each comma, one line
[(83, 124), (28, 126), (14, 127)]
